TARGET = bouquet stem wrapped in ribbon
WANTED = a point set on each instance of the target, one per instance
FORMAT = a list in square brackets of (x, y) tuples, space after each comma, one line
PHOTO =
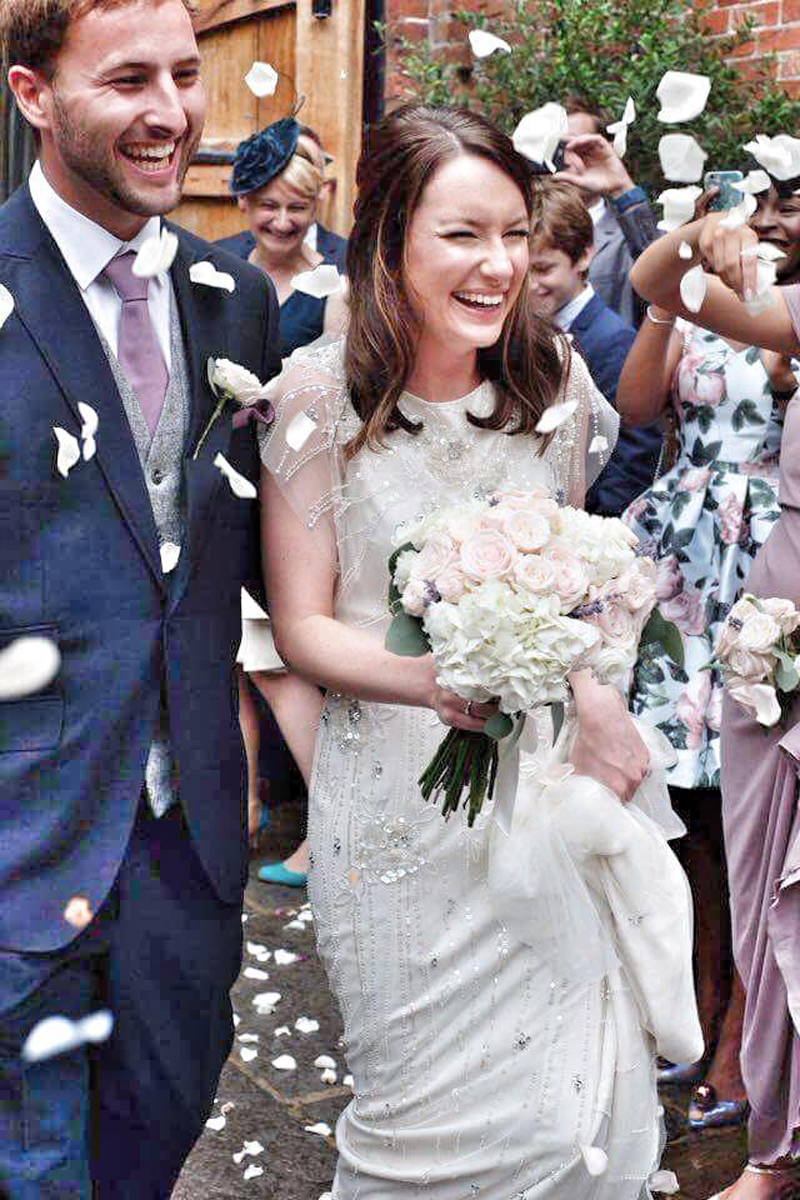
[(512, 594)]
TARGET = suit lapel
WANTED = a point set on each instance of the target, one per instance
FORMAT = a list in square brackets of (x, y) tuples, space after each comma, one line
[(205, 336), (44, 293)]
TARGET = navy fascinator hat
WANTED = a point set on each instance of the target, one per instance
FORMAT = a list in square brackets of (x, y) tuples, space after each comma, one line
[(264, 155)]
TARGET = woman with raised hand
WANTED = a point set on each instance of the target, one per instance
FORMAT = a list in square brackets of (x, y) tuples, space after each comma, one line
[(758, 766), (481, 1067)]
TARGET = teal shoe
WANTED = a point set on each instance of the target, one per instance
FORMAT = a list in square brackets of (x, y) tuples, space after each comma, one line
[(277, 873)]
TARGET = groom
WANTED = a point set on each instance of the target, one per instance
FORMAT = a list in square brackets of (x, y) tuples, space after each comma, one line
[(122, 838)]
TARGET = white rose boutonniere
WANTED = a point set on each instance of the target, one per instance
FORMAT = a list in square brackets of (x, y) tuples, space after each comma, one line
[(232, 383)]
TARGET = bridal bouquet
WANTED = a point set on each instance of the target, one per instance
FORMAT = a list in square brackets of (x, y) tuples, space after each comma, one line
[(759, 653), (511, 594)]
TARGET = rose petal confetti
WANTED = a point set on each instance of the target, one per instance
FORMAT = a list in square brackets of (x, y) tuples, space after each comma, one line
[(769, 253), (91, 422), (764, 297), (620, 128), (679, 205), (227, 1107), (262, 79), (266, 999), (685, 250), (598, 444), (484, 43), (665, 1182), (285, 958), (256, 949), (323, 281), (682, 96), (328, 1076), (539, 132), (284, 1062), (69, 451), (596, 1159), (694, 285), (321, 1128), (555, 415), (249, 1037), (57, 1035), (348, 1081), (740, 214), (255, 973), (240, 486), (207, 274), (248, 1150), (156, 255), (753, 183), (27, 665), (170, 553), (306, 1025), (682, 158), (216, 1123), (247, 1054), (294, 925), (283, 1031), (253, 1172), (236, 1020), (6, 305), (325, 1060), (78, 912), (780, 156)]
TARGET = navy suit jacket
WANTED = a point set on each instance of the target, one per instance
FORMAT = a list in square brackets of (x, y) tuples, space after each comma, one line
[(604, 340), (330, 244), (79, 562)]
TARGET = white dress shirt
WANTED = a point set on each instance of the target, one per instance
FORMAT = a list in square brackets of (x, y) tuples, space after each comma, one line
[(573, 308), (87, 249)]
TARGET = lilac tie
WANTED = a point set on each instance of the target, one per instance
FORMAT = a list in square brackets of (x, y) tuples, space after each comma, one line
[(138, 351)]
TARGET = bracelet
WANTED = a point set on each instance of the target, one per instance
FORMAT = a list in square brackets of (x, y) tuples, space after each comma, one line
[(659, 320)]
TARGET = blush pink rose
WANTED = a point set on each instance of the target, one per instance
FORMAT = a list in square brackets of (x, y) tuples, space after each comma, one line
[(695, 479), (571, 580), (732, 526), (415, 597), (487, 554), (528, 531), (616, 623), (437, 553), (751, 666), (450, 583), (687, 610), (638, 590), (708, 389), (521, 500), (669, 578), (535, 573), (691, 708)]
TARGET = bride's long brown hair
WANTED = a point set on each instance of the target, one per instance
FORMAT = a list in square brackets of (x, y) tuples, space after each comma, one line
[(530, 361)]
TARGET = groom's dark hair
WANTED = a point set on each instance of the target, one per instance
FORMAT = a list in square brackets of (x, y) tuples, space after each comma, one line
[(33, 31)]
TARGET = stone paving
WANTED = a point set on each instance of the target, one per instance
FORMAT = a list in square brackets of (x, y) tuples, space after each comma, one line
[(274, 1108)]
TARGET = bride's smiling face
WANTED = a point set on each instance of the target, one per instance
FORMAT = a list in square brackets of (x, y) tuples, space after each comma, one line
[(466, 253)]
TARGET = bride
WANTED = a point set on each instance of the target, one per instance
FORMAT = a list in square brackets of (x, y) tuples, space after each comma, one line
[(483, 1064)]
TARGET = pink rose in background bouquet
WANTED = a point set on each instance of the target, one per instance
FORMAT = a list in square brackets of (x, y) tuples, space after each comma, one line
[(511, 595), (757, 650)]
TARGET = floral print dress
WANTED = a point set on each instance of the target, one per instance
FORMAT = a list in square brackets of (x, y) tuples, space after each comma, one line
[(704, 522)]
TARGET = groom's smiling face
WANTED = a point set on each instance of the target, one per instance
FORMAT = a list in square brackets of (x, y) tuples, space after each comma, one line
[(125, 110)]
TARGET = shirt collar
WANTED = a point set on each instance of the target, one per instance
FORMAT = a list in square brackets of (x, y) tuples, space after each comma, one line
[(566, 316), (87, 247)]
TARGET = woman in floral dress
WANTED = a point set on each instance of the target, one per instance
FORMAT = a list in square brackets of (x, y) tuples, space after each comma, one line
[(704, 521)]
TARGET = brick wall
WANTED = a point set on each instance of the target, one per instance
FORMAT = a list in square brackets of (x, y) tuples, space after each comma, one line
[(776, 32)]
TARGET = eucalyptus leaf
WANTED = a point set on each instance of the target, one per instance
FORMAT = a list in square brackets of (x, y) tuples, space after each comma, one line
[(498, 726), (406, 636)]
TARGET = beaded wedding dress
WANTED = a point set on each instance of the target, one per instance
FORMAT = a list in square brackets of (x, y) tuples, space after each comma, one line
[(483, 1065)]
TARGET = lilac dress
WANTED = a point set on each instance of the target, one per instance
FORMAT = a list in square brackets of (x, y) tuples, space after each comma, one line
[(762, 839)]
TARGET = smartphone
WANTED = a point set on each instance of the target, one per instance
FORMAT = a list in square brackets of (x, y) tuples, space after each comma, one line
[(558, 156), (729, 196)]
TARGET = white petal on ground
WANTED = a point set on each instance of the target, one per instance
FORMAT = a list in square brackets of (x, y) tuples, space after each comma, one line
[(236, 1019), (240, 486), (170, 553), (57, 1035), (216, 1123), (306, 1025), (328, 1076), (285, 958), (283, 1031), (262, 79), (247, 1054), (157, 254), (323, 281), (740, 214), (484, 43), (253, 1172), (679, 205), (555, 415), (249, 1037), (326, 1196), (325, 1060), (248, 1150), (539, 132), (6, 305), (284, 1062), (300, 429), (780, 155), (294, 925), (305, 915), (348, 1081), (245, 917), (596, 1159), (27, 666), (682, 96), (321, 1128), (227, 1107), (754, 182), (665, 1182), (685, 250), (259, 952), (598, 444), (682, 158), (255, 973), (208, 275), (694, 285), (69, 451), (266, 999)]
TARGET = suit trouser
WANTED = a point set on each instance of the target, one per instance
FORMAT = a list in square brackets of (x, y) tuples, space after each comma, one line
[(162, 955)]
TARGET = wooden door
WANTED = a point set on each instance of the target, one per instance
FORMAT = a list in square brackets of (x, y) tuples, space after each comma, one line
[(322, 60)]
